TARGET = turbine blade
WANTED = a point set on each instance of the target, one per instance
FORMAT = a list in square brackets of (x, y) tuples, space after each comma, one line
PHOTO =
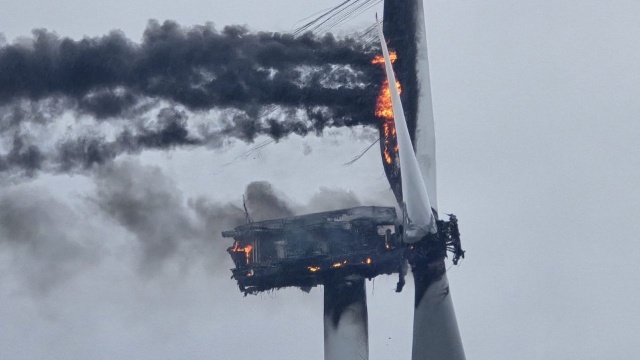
[(414, 192)]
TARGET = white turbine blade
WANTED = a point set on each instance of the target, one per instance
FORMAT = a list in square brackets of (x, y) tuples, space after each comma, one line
[(424, 139), (414, 191)]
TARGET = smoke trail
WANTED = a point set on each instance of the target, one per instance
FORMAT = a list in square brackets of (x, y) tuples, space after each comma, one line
[(265, 203), (42, 239), (256, 83), (198, 67), (48, 242)]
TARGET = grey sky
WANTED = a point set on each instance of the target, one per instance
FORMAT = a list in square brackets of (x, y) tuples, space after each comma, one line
[(537, 116)]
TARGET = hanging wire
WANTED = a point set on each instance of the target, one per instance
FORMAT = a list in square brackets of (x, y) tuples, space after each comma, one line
[(327, 19), (309, 26), (361, 154), (356, 9)]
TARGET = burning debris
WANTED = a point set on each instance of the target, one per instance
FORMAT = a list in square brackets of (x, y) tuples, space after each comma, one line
[(306, 251)]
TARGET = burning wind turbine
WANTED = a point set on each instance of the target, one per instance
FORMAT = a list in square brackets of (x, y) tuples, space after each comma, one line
[(340, 249)]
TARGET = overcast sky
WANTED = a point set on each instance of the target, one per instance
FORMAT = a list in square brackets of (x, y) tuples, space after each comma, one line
[(537, 116)]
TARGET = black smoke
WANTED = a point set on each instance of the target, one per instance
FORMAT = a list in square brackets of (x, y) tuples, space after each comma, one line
[(259, 83), (198, 67), (265, 203)]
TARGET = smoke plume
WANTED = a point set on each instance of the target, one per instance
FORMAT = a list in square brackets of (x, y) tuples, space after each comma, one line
[(264, 203), (45, 240), (239, 84), (48, 242)]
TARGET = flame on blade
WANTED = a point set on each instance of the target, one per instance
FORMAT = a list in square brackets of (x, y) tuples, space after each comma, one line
[(384, 110), (379, 59), (247, 250), (368, 261), (313, 268)]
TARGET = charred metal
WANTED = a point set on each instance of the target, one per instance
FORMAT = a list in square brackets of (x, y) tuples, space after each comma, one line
[(306, 251), (310, 250), (434, 247)]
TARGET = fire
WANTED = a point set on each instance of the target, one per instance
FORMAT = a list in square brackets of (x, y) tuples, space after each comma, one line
[(379, 59), (313, 268), (384, 110), (247, 250), (368, 261), (338, 264)]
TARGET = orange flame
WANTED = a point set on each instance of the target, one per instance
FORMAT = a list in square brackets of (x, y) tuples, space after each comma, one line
[(384, 110), (313, 268), (368, 261), (338, 264), (247, 250), (379, 59)]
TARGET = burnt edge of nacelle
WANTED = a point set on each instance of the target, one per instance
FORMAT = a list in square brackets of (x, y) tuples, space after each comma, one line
[(426, 257), (434, 247), (310, 250)]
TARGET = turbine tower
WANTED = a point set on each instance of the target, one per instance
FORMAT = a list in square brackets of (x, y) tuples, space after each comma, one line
[(346, 333)]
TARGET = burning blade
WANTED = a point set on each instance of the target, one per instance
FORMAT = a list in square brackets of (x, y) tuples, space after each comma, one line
[(384, 110), (414, 192)]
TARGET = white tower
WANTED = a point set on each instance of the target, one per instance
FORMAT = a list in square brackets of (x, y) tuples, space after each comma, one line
[(346, 335)]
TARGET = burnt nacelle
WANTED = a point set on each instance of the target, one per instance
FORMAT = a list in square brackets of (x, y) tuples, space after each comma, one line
[(305, 250), (309, 250)]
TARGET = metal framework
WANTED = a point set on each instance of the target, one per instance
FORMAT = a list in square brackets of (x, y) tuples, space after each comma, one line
[(310, 250)]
